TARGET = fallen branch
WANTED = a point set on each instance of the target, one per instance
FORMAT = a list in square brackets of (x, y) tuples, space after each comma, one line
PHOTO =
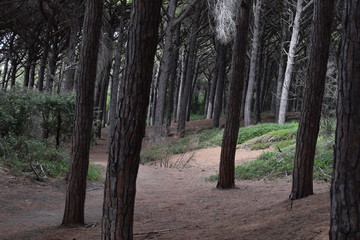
[(159, 231)]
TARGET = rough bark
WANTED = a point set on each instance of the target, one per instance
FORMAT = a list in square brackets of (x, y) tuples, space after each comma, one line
[(190, 71), (75, 194), (345, 191), (125, 141), (70, 64), (302, 185), (228, 147), (219, 86), (290, 63), (165, 72), (253, 61)]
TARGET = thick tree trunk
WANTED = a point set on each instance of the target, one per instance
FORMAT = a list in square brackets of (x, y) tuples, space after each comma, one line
[(220, 86), (314, 91), (228, 147), (125, 142), (290, 63), (253, 60), (190, 71), (75, 194), (345, 190)]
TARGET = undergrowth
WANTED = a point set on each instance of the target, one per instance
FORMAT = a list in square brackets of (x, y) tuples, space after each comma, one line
[(22, 155)]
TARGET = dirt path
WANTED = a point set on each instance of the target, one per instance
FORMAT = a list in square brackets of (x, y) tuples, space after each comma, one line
[(171, 203)]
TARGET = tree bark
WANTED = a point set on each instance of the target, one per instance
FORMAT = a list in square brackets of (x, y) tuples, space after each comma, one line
[(219, 86), (75, 194), (165, 72), (125, 141), (228, 147), (253, 60), (290, 63), (70, 64), (345, 191), (302, 185), (190, 70)]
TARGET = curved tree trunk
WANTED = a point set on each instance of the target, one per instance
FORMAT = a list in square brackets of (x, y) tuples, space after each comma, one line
[(302, 185), (290, 63), (125, 141), (75, 194), (345, 191), (228, 147)]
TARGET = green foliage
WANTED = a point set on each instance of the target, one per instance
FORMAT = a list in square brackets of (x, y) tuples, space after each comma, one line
[(278, 131), (16, 154), (15, 113), (22, 112), (272, 165)]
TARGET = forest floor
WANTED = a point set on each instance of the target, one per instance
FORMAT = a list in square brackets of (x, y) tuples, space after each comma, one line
[(173, 201)]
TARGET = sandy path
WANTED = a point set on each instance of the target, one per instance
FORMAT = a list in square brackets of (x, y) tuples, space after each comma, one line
[(171, 203)]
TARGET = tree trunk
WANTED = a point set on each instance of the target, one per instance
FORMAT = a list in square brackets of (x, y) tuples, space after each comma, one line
[(228, 147), (213, 85), (290, 63), (52, 67), (314, 91), (281, 69), (173, 78), (253, 60), (190, 70), (119, 50), (43, 60), (124, 156), (345, 191), (220, 86), (70, 64), (165, 72), (75, 194)]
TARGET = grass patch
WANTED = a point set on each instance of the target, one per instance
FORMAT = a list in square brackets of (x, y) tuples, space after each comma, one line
[(16, 153), (254, 131), (272, 165)]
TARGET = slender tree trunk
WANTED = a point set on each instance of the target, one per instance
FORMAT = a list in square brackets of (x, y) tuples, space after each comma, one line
[(14, 65), (43, 60), (173, 78), (213, 85), (220, 86), (124, 156), (117, 70), (190, 70), (27, 67), (32, 75), (70, 64), (281, 69), (52, 67), (5, 71), (253, 60), (165, 73), (75, 194), (345, 191), (290, 63), (314, 91), (228, 147)]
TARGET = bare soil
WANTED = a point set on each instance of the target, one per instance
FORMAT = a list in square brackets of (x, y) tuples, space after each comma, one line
[(174, 201)]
